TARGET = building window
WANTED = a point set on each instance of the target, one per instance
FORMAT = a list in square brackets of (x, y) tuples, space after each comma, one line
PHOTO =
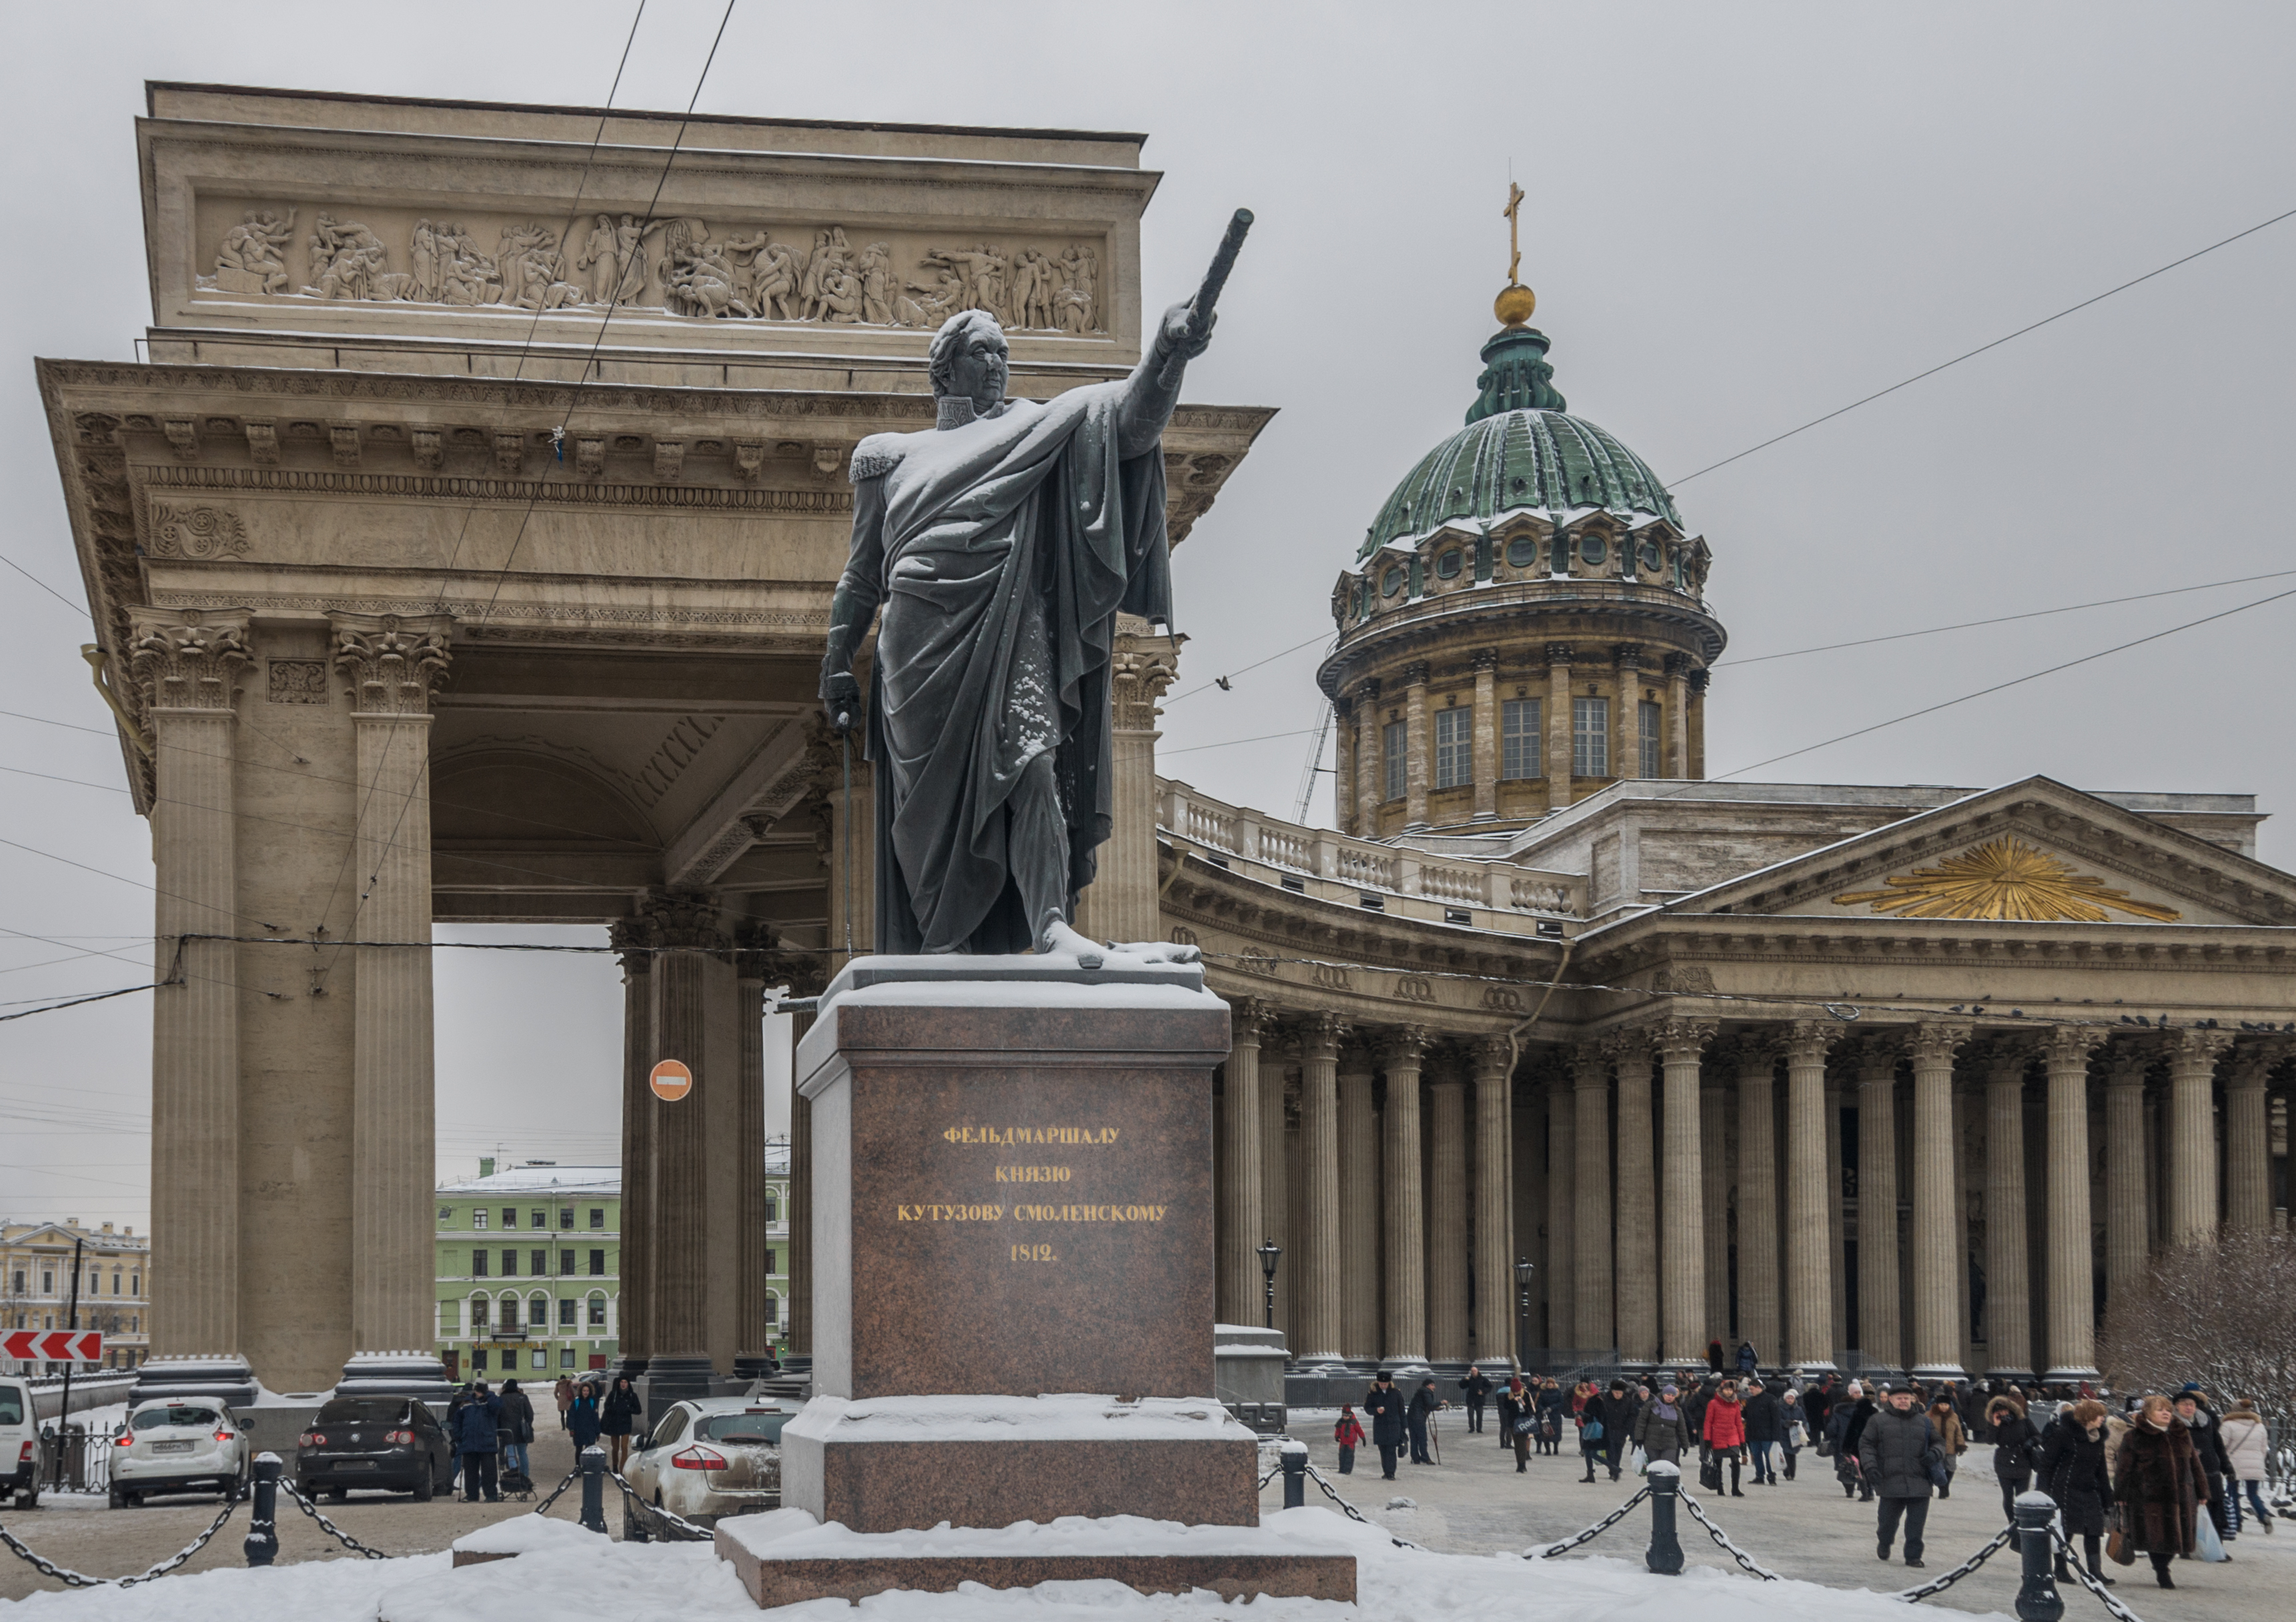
[(565, 1216), (478, 1219), (446, 1215), (1455, 746), (538, 1313), (478, 1263), (477, 1312), (597, 1264), (510, 1264), (772, 1261), (1590, 737), (565, 1356), (1653, 750), (47, 1283), (18, 1287), (1394, 743), (597, 1312), (565, 1313), (1519, 738), (510, 1216), (477, 1360), (772, 1208), (597, 1219), (538, 1263), (115, 1283), (773, 1308), (541, 1219), (135, 1283), (539, 1359), (566, 1261)]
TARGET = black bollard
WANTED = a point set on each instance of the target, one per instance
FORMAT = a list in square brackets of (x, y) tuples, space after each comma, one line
[(1664, 1555), (593, 1489), (2037, 1598), (262, 1545), (1295, 1475)]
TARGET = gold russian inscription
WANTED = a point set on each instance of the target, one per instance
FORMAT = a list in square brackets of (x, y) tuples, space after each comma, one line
[(1089, 1213), (1032, 1174), (1007, 1137), (1033, 1253), (948, 1213)]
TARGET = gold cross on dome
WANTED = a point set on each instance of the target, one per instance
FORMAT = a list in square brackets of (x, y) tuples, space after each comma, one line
[(1514, 244)]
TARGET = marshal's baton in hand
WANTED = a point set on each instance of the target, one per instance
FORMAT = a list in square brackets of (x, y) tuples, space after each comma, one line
[(1199, 308)]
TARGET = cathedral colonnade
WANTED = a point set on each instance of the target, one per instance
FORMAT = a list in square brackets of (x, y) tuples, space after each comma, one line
[(1923, 1197)]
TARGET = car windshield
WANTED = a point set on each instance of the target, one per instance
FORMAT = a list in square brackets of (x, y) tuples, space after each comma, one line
[(174, 1413), (363, 1411), (11, 1405), (756, 1427)]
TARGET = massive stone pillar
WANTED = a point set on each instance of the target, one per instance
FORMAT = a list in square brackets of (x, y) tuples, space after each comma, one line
[(1630, 763), (2071, 1273), (1358, 1207), (1591, 1271), (1447, 1216), (1406, 1238), (2008, 1321), (1371, 764), (1487, 734), (1494, 1237), (1759, 1317), (392, 664), (1809, 1201), (1120, 903), (1557, 720), (1637, 1217), (1682, 1309), (1417, 752), (1320, 1251), (2192, 1057), (1677, 716), (2127, 1237), (752, 1331), (186, 662), (1240, 1227), (1276, 1174), (1879, 1335), (688, 931), (1714, 1197), (635, 940), (1561, 1208), (1937, 1290), (2248, 1142), (1837, 1211)]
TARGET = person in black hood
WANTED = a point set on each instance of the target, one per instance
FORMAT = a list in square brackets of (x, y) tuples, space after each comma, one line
[(1843, 1430), (2073, 1472), (2016, 1446), (1385, 1405), (1617, 1407)]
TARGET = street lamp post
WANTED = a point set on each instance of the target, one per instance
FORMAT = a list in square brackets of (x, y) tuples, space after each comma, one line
[(1523, 1270), (1269, 1253)]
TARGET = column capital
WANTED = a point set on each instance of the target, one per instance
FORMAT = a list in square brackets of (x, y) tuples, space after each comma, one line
[(1878, 1054), (1401, 1047), (1755, 1054), (1141, 673), (1630, 1043), (1414, 673), (1494, 1059), (1676, 1040), (185, 658), (684, 921), (1678, 664), (1936, 1042), (2252, 1062), (1367, 691), (1627, 655), (1561, 653), (1809, 1041), (1486, 659), (1590, 1068), (2127, 1065), (1698, 679), (1248, 1019), (2070, 1046), (1320, 1035), (2197, 1049), (394, 661), (634, 939)]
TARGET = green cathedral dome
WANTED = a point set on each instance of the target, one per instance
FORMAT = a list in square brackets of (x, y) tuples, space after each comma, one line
[(1520, 450)]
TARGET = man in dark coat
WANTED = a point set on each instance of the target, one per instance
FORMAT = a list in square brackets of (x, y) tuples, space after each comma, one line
[(1618, 1408), (1384, 1403), (1893, 1451), (1766, 1427), (1817, 1404), (477, 1438), (2208, 1442), (1477, 1386), (1424, 1404)]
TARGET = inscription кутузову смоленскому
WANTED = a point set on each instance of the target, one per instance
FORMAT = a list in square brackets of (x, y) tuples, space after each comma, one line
[(1001, 1137)]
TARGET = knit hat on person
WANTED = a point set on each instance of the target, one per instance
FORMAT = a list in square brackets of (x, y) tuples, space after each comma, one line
[(1669, 1389)]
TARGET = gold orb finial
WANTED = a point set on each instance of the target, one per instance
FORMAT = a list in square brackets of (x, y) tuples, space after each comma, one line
[(1515, 301), (1514, 304)]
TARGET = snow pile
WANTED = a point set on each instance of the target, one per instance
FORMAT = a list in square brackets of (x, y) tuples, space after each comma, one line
[(795, 1534), (534, 1535), (1015, 1419)]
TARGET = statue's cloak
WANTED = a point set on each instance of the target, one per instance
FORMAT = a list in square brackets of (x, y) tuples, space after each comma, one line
[(1003, 551)]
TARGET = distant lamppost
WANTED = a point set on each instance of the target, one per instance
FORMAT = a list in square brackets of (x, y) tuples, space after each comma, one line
[(1269, 1253), (1523, 1269)]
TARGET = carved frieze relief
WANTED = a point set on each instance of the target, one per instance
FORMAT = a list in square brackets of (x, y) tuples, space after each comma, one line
[(197, 533)]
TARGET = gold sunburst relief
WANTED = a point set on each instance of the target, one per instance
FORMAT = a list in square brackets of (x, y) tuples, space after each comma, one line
[(2005, 878)]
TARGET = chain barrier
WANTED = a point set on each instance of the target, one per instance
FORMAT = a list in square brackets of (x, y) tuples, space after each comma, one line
[(1596, 1530), (80, 1579), (1939, 1584), (1354, 1514), (329, 1526), (1270, 1476), (2072, 1563), (572, 1476), (680, 1530), (1722, 1540)]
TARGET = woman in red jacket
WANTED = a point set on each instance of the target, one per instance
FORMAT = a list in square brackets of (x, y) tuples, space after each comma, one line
[(1725, 1433)]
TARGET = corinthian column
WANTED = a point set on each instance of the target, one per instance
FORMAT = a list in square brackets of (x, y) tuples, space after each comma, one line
[(1406, 1244), (2193, 1056), (752, 1336), (2127, 1233), (1487, 734), (1317, 1338), (1809, 1256), (1120, 903), (1590, 1076), (1558, 755), (1757, 1196), (686, 922), (1878, 1329), (1417, 755), (1446, 1217), (1241, 1229), (1630, 763), (1494, 1202), (1371, 765), (2248, 1146), (393, 664), (1358, 1207), (1682, 1307), (1714, 1194), (1561, 1206), (1638, 1220), (635, 940), (186, 662), (2008, 1295), (1937, 1288), (2071, 1277)]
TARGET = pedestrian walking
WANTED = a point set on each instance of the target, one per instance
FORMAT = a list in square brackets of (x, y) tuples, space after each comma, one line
[(2208, 1442), (1517, 1421), (1385, 1405), (518, 1428), (2073, 1472), (1724, 1431), (1953, 1441), (564, 1392), (1896, 1450), (1477, 1388), (1348, 1433), (1590, 1436), (1662, 1429), (1424, 1404), (582, 1416), (2161, 1486), (2016, 1448), (1617, 1407), (1553, 1403), (1796, 1431), (1747, 1361), (1843, 1431), (478, 1439), (1714, 1359), (1765, 1420), (2245, 1445), (1817, 1404), (617, 1420)]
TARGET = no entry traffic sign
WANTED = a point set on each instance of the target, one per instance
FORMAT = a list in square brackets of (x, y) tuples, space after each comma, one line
[(55, 1345), (670, 1081)]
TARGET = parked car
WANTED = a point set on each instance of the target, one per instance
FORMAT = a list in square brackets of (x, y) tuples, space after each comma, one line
[(391, 1443), (710, 1457), (19, 1444), (179, 1444)]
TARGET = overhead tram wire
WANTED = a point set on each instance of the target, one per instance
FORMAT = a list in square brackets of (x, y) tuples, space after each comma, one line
[(1228, 675), (78, 609), (1676, 484)]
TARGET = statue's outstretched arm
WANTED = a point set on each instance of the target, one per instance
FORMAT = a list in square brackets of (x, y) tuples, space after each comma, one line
[(1153, 388), (859, 590)]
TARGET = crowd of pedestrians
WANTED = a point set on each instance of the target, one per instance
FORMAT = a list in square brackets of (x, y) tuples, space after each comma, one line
[(2163, 1476)]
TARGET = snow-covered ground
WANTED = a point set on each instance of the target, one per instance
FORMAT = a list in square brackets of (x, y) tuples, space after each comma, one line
[(579, 1579)]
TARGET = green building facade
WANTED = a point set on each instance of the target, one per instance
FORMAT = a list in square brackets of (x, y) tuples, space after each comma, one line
[(529, 1271)]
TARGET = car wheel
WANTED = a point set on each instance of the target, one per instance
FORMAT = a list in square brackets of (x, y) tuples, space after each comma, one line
[(30, 1500), (338, 1494), (116, 1501), (424, 1487)]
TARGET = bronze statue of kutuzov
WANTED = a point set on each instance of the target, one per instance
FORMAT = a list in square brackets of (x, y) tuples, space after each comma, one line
[(1002, 544)]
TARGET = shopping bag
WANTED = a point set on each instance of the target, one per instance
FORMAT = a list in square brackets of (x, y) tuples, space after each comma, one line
[(2206, 1544), (2119, 1545)]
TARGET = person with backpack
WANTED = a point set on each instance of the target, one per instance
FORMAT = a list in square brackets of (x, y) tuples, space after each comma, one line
[(1591, 1441), (1348, 1433), (1844, 1432)]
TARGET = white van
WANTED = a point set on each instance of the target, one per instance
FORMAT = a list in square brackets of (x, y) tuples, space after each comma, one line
[(19, 1444)]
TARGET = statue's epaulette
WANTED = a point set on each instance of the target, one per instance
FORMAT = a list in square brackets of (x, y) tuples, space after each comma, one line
[(877, 455)]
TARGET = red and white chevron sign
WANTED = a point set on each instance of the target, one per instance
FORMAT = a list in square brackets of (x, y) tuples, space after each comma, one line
[(55, 1345)]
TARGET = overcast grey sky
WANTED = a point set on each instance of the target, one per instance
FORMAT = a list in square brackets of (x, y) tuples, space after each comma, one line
[(1739, 217)]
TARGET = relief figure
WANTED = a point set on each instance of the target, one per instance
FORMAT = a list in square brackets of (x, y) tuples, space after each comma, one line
[(253, 257)]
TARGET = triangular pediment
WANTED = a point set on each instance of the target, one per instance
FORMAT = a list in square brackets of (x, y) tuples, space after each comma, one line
[(2035, 852)]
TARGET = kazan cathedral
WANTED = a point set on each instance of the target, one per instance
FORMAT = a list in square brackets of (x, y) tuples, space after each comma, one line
[(1555, 1051)]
